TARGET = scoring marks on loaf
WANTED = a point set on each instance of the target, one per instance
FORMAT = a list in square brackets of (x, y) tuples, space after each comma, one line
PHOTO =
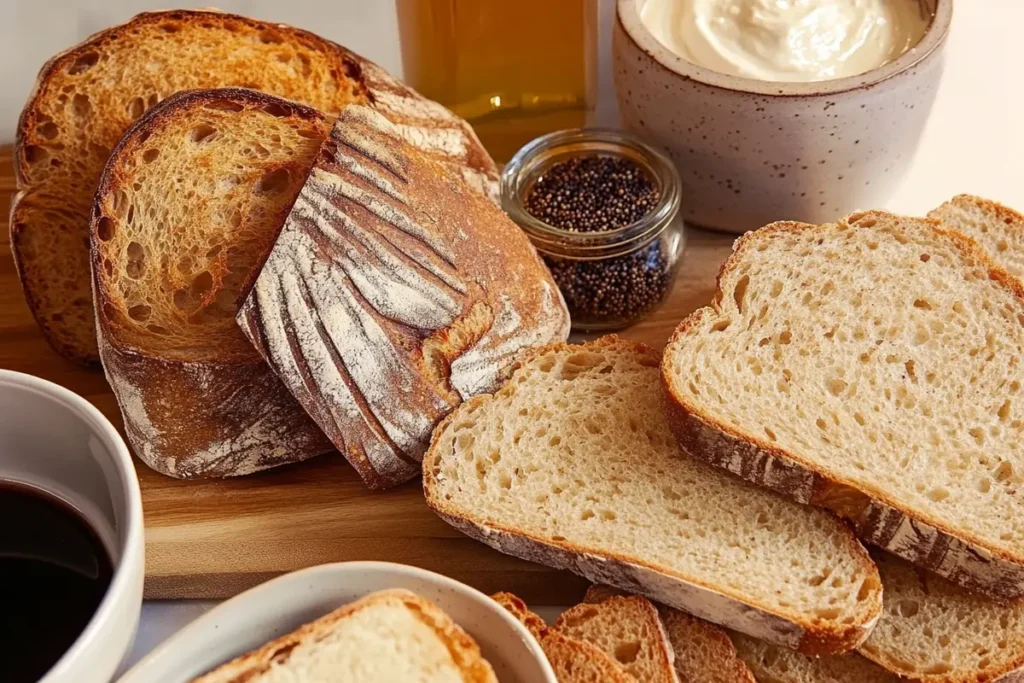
[(359, 281), (431, 127)]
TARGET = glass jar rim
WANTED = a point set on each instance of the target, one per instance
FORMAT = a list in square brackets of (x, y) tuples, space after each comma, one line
[(541, 153)]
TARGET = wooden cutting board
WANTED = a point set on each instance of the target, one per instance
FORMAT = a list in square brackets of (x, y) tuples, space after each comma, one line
[(213, 539)]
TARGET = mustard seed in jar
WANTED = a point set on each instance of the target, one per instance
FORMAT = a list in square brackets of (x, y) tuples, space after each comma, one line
[(602, 210), (588, 194)]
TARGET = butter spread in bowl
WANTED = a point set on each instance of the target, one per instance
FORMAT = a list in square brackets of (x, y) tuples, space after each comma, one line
[(787, 40)]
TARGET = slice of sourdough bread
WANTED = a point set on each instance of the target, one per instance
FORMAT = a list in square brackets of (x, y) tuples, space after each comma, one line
[(997, 228), (628, 629), (772, 664), (576, 661), (873, 366), (85, 98), (571, 464), (934, 631), (393, 293), (930, 630), (703, 652), (188, 206), (392, 635), (573, 660)]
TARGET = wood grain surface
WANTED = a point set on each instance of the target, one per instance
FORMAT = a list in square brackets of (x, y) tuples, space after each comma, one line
[(213, 539)]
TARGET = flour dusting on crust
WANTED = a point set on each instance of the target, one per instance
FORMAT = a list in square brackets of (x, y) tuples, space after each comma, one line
[(384, 302)]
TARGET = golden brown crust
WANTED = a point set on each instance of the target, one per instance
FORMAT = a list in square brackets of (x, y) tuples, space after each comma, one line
[(52, 215), (877, 518), (533, 622), (199, 417), (464, 650), (418, 293), (633, 574)]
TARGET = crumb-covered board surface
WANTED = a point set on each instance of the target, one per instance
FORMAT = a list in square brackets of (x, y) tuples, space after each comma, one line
[(216, 538)]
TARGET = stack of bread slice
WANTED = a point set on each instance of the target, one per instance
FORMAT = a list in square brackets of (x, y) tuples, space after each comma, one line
[(87, 96), (871, 367), (399, 289)]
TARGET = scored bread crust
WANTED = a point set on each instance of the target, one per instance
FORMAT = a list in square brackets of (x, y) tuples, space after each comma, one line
[(69, 330), (634, 574), (913, 535), (464, 650), (196, 418), (392, 294)]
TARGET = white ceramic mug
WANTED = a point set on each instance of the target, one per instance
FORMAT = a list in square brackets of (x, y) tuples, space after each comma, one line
[(54, 440)]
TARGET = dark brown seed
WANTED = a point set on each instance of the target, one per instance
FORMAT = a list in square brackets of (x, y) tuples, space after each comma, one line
[(597, 193)]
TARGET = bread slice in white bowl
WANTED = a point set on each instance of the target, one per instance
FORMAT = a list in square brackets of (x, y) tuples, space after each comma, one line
[(391, 635), (572, 464), (248, 621)]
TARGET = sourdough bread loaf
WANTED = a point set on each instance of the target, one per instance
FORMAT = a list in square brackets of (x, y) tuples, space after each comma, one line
[(394, 292), (873, 366), (85, 98), (188, 206), (571, 464), (392, 635)]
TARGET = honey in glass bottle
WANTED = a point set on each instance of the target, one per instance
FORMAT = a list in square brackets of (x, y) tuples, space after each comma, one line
[(515, 69)]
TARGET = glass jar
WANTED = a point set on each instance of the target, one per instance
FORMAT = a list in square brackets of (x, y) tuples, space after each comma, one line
[(609, 278), (513, 69)]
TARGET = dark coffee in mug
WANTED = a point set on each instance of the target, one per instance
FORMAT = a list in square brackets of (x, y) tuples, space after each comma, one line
[(54, 572)]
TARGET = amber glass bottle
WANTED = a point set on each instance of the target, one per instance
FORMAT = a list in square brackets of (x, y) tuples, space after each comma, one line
[(515, 69)]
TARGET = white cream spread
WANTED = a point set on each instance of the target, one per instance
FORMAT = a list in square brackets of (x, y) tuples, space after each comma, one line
[(787, 40)]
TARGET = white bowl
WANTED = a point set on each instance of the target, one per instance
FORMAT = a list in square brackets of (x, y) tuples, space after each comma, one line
[(281, 605), (56, 441)]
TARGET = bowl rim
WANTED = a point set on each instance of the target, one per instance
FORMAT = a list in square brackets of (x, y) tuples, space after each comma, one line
[(130, 563), (167, 649), (627, 16)]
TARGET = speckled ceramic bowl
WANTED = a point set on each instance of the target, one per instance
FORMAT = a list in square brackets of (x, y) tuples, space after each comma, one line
[(751, 152), (281, 605)]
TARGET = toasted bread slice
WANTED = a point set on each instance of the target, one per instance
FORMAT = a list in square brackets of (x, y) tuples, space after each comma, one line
[(571, 464), (573, 660), (873, 366), (703, 652), (186, 211), (85, 98), (576, 661), (392, 635), (627, 628), (997, 228), (533, 622)]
